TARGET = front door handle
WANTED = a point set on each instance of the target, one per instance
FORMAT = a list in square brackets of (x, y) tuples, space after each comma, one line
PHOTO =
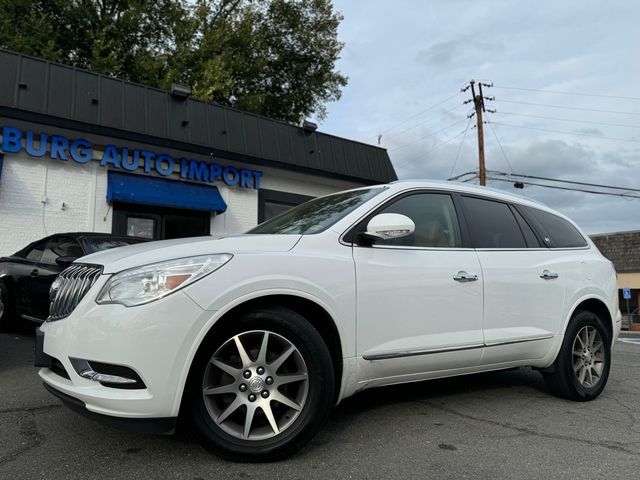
[(34, 272), (463, 277), (548, 275)]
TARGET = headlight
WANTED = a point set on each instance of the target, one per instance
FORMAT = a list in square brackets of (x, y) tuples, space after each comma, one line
[(151, 282)]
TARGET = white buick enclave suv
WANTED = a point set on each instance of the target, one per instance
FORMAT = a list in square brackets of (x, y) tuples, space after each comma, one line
[(253, 338)]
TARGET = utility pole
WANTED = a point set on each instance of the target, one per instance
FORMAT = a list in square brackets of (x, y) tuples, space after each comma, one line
[(478, 102)]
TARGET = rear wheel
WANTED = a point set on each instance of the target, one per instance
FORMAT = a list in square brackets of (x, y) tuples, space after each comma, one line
[(260, 390), (581, 369), (6, 312)]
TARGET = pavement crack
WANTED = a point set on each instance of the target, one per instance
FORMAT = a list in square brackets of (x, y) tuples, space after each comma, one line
[(28, 430), (604, 444), (42, 408)]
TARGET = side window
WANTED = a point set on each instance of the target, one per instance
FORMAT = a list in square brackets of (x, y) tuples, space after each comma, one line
[(61, 247), (35, 254), (491, 224), (435, 218), (557, 232)]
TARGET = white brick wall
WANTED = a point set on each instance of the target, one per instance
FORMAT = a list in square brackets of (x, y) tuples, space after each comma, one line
[(83, 188)]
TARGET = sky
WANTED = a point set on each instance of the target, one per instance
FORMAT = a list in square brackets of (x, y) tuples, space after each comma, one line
[(408, 59)]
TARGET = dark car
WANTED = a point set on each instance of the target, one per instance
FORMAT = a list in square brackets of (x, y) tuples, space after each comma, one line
[(27, 275)]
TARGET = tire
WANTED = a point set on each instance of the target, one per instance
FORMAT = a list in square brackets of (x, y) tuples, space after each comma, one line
[(6, 311), (580, 371), (216, 389)]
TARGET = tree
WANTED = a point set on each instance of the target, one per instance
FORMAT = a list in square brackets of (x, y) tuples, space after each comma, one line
[(271, 57)]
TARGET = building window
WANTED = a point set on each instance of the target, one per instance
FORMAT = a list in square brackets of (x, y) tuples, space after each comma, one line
[(159, 223), (272, 203)]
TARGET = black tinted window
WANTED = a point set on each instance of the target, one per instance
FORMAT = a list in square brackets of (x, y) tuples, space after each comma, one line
[(35, 253), (61, 247), (435, 218), (97, 244), (491, 224), (557, 232)]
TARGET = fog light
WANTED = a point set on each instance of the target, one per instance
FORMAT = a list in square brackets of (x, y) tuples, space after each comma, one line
[(108, 375)]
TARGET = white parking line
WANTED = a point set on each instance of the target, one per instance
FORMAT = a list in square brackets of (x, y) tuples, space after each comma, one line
[(634, 340)]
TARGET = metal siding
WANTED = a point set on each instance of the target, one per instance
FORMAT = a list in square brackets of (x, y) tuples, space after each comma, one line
[(285, 148), (33, 75), (367, 161), (234, 131), (198, 122), (111, 98), (86, 92), (268, 140), (325, 153), (178, 113), (351, 163), (134, 108), (217, 125), (299, 145), (156, 113), (60, 91), (252, 135), (9, 71), (339, 158), (65, 92)]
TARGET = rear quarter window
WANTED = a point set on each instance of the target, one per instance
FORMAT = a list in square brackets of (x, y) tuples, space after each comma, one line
[(556, 231)]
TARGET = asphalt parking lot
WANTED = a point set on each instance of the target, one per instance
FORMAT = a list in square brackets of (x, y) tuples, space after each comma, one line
[(493, 426)]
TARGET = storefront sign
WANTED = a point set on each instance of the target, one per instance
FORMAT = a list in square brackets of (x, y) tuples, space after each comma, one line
[(122, 158)]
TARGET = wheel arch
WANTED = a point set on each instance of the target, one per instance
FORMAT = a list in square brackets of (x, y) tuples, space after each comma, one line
[(312, 311), (599, 307)]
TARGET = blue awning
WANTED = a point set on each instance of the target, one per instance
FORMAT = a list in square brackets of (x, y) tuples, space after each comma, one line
[(122, 187)]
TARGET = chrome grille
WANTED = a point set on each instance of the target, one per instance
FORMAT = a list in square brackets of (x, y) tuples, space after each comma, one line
[(69, 289)]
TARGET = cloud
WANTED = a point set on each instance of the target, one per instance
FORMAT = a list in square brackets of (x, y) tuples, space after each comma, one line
[(444, 53), (596, 132)]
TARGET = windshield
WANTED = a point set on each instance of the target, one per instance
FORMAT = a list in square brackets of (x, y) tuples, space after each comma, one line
[(317, 215), (97, 244)]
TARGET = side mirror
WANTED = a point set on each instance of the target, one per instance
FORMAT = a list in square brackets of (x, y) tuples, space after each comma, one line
[(386, 226), (65, 261)]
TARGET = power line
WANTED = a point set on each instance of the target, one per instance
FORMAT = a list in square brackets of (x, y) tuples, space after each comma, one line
[(394, 135), (425, 137), (557, 187), (426, 154), (570, 120), (570, 108), (501, 149), (464, 134), (417, 114), (572, 182), (599, 137), (568, 93)]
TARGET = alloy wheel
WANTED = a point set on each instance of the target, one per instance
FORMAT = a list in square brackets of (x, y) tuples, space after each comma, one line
[(1, 306), (255, 385), (588, 356)]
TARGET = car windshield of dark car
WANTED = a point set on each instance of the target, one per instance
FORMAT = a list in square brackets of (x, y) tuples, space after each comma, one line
[(97, 244), (317, 215)]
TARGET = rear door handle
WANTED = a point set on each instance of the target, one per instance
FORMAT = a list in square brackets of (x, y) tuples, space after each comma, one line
[(464, 277), (34, 272), (548, 275)]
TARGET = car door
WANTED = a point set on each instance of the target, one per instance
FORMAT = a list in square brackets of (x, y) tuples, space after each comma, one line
[(523, 296), (419, 297), (22, 269), (46, 272)]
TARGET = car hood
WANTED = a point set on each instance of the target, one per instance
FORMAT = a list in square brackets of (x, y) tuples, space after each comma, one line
[(123, 258)]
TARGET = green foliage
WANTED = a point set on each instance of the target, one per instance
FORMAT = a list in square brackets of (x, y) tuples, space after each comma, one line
[(271, 57)]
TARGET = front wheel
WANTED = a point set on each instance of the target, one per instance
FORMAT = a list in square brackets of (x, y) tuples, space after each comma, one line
[(260, 390), (581, 369)]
